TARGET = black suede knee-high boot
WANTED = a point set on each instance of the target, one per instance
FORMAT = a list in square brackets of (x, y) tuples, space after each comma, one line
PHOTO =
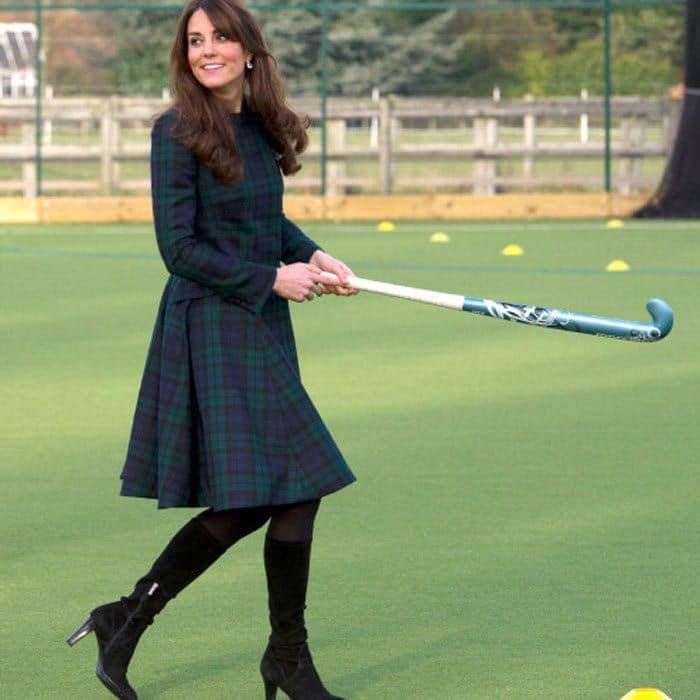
[(287, 662), (118, 626)]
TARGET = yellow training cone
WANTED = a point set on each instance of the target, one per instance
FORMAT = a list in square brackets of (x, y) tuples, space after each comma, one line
[(386, 226), (439, 237), (617, 266), (513, 249), (615, 223), (645, 694)]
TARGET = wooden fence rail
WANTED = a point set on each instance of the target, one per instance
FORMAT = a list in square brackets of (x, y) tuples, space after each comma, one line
[(387, 145)]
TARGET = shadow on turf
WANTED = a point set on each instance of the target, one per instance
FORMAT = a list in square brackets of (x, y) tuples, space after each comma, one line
[(197, 672), (362, 682), (202, 671), (365, 680)]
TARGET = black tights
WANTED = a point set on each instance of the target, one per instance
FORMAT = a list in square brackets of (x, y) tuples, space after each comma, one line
[(288, 523)]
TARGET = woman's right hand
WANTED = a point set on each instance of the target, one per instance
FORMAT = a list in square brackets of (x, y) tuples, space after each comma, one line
[(298, 282)]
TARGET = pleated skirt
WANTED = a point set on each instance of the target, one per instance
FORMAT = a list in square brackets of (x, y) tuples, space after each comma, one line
[(222, 418)]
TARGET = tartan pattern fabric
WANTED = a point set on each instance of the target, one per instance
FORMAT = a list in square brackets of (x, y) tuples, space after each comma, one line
[(222, 418)]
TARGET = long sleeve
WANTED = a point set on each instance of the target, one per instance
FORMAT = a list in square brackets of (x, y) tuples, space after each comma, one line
[(186, 253), (296, 246)]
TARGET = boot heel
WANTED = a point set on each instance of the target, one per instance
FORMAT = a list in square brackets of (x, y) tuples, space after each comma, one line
[(82, 631), (270, 689)]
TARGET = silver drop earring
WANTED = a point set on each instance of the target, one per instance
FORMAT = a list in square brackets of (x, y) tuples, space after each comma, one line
[(249, 64)]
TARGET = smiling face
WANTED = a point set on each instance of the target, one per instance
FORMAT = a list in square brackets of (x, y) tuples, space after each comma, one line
[(216, 61)]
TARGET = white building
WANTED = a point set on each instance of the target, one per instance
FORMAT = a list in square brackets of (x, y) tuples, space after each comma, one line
[(17, 59)]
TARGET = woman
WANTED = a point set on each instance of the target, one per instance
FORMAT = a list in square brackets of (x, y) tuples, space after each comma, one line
[(222, 419)]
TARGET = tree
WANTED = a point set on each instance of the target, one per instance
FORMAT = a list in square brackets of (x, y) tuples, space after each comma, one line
[(494, 42), (142, 39), (294, 37), (576, 25), (416, 51), (364, 52), (406, 52), (644, 52), (358, 47), (77, 57), (418, 62), (678, 195)]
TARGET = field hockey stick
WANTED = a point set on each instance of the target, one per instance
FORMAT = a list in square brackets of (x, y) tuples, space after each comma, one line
[(661, 313)]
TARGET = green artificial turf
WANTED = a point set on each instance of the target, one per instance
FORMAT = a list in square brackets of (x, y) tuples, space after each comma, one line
[(526, 521)]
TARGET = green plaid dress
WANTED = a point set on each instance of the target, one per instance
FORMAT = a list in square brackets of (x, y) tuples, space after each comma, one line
[(222, 418)]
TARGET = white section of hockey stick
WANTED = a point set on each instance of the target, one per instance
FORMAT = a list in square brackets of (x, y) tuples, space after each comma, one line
[(426, 296)]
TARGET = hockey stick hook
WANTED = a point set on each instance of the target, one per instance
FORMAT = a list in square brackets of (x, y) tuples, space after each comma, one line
[(662, 317)]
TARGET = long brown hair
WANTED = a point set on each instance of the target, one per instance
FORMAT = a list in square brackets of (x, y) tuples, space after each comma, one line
[(204, 125)]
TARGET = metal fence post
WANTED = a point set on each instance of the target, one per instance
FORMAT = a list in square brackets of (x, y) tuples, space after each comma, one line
[(325, 28), (608, 91), (38, 88)]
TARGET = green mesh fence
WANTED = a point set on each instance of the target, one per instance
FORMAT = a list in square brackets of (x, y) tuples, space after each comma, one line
[(404, 96)]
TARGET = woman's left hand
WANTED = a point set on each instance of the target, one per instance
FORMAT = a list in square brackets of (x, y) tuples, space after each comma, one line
[(327, 263)]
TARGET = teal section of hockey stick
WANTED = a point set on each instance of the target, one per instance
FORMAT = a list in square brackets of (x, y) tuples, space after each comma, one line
[(660, 311)]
